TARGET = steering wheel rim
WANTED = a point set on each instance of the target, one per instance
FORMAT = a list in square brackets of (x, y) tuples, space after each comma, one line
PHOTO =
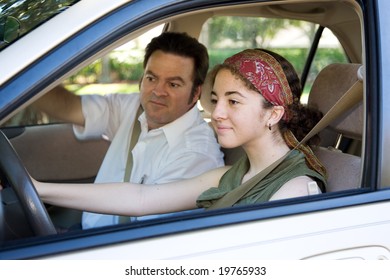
[(20, 181)]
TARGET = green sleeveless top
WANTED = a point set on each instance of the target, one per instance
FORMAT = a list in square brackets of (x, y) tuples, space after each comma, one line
[(293, 166)]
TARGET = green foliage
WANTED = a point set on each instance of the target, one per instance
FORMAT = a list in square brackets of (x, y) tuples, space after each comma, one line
[(124, 71), (297, 57), (248, 32), (217, 56), (120, 71), (31, 13), (223, 36)]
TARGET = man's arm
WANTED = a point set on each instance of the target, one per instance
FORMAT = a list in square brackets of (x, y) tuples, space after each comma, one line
[(61, 104)]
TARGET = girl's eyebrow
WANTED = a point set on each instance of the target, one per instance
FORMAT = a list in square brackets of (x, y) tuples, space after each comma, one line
[(229, 93)]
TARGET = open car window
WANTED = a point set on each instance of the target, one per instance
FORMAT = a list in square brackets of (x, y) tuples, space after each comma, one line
[(120, 70)]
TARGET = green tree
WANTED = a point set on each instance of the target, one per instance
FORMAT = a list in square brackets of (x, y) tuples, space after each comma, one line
[(31, 13), (247, 32)]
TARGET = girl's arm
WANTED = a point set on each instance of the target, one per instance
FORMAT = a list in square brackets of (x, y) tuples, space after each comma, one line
[(130, 199)]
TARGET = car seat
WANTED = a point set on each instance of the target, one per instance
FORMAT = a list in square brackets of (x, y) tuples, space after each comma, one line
[(343, 167)]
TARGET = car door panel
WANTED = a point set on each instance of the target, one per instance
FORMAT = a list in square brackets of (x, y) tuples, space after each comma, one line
[(52, 153), (346, 233)]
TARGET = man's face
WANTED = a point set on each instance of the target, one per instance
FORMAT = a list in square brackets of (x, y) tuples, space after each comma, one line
[(166, 88)]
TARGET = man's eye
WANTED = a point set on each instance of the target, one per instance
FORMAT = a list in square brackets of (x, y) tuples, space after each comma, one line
[(174, 85), (233, 102), (149, 78), (214, 101)]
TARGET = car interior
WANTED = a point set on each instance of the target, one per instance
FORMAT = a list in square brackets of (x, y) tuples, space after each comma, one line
[(342, 146), (336, 150), (329, 86)]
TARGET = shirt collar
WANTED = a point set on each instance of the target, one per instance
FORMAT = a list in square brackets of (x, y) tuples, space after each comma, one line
[(174, 130)]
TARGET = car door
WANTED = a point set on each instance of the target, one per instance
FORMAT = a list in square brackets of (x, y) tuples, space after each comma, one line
[(351, 224), (52, 153)]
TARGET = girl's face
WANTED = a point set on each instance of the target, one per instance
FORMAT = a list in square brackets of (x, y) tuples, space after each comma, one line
[(238, 116)]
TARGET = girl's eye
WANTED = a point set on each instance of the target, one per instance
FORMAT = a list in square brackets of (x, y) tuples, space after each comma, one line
[(233, 102)]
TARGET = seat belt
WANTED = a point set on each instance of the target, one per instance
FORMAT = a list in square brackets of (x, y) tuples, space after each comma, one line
[(134, 139), (349, 99), (129, 164)]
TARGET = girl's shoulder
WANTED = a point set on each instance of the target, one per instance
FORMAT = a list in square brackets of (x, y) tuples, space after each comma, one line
[(296, 187)]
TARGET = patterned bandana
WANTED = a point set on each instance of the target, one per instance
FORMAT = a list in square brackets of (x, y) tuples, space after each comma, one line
[(265, 73)]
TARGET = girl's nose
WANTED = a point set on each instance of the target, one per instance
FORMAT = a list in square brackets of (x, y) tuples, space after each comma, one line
[(219, 111)]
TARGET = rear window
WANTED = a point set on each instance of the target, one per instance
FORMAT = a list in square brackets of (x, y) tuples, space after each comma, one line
[(293, 39)]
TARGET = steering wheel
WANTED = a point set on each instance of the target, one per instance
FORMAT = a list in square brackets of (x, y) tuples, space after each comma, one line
[(20, 181)]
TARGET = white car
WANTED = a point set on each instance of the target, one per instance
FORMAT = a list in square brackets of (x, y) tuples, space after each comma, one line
[(335, 43)]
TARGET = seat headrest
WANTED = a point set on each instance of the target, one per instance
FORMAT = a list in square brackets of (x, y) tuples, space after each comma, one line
[(329, 86)]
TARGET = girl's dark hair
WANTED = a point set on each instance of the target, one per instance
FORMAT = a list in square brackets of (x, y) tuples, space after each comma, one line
[(302, 118), (183, 45)]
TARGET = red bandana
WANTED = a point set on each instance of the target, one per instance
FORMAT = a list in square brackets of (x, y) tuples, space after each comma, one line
[(265, 73)]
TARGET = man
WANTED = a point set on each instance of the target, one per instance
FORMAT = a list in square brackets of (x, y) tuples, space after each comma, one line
[(174, 142)]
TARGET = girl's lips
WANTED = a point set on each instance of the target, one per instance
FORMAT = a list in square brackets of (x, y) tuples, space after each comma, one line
[(222, 128)]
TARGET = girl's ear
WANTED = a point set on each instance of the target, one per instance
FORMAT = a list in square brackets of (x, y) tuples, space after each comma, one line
[(277, 113)]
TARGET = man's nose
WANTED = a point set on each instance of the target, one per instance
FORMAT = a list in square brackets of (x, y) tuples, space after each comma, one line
[(159, 89)]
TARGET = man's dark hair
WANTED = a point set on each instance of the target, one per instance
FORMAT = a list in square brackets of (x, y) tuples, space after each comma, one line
[(183, 45)]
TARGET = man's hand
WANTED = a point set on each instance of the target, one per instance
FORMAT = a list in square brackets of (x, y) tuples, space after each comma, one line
[(61, 104)]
